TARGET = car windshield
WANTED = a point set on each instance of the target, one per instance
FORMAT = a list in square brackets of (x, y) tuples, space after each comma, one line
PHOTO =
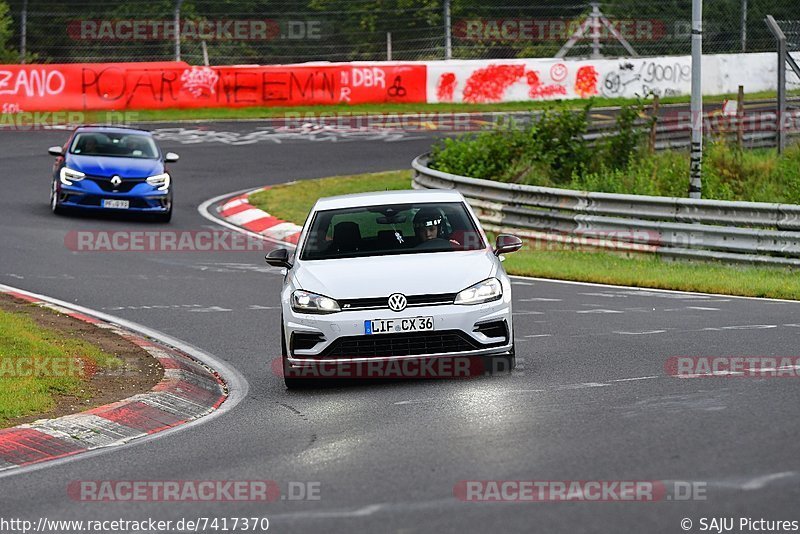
[(126, 145), (391, 229)]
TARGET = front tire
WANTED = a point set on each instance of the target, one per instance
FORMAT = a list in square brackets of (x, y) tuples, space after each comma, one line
[(54, 206)]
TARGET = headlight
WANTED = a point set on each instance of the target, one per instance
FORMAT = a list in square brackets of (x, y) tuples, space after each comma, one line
[(159, 180), (303, 301), (70, 175), (486, 291)]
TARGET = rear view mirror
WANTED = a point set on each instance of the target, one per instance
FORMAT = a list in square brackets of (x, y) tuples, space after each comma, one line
[(278, 258), (507, 243), (55, 151), (171, 157)]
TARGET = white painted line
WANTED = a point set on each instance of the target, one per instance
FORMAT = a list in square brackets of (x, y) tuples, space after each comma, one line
[(760, 482), (640, 333), (635, 378), (599, 311), (701, 308), (741, 327), (416, 401), (648, 289), (582, 386), (210, 309), (538, 299), (608, 295), (539, 335)]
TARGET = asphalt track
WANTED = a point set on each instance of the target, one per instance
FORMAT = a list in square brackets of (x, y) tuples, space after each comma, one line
[(591, 399)]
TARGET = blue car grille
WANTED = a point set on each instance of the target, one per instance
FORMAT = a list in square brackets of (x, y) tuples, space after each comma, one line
[(124, 187)]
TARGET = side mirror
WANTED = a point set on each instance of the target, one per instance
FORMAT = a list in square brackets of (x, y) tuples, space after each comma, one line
[(507, 243), (171, 157), (55, 151), (278, 258)]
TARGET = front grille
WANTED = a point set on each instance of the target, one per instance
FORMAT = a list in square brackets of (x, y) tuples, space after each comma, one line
[(124, 187), (374, 303), (405, 344)]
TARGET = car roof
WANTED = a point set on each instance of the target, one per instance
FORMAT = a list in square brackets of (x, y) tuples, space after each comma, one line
[(111, 129), (377, 198)]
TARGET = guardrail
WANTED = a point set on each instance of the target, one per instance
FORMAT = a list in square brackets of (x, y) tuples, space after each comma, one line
[(737, 232)]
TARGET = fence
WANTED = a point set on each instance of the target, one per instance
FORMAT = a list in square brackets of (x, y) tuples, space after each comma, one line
[(286, 31), (744, 232), (752, 124)]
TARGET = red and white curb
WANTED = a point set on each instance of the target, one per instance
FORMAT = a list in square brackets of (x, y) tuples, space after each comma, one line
[(239, 212), (189, 390)]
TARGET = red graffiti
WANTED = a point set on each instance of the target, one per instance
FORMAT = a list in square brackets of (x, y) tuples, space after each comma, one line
[(537, 90), (446, 87), (586, 81), (546, 91), (489, 84)]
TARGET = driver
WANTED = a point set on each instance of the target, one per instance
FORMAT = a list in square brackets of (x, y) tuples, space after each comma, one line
[(427, 224)]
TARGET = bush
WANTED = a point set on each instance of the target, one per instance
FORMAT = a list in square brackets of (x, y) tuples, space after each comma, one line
[(552, 151)]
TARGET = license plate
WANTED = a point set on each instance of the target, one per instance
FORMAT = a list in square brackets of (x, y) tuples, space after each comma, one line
[(393, 326), (117, 204)]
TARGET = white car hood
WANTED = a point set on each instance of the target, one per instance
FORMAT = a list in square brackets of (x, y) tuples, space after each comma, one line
[(410, 274)]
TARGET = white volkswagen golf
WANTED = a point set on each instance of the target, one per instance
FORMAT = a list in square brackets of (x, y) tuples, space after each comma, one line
[(396, 275)]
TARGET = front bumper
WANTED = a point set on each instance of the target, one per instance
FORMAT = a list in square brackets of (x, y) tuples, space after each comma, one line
[(142, 198), (454, 327)]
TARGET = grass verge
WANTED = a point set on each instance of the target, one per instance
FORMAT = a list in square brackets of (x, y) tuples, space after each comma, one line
[(52, 365), (251, 113), (292, 202)]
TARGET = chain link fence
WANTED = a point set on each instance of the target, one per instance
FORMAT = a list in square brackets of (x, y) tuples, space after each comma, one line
[(225, 32)]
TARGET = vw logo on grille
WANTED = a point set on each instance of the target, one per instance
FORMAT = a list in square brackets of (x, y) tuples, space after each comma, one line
[(397, 302), (116, 180)]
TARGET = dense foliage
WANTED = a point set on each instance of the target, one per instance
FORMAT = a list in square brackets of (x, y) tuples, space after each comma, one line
[(553, 152)]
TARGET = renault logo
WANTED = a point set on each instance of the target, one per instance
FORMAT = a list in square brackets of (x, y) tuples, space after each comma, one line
[(397, 302), (116, 180)]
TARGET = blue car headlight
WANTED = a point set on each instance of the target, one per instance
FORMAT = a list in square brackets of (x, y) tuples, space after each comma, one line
[(68, 176), (161, 181)]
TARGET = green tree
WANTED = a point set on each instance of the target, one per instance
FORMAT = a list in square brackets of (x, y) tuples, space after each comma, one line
[(7, 54)]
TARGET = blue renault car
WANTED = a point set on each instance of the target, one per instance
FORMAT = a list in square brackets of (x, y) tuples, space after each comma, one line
[(112, 169)]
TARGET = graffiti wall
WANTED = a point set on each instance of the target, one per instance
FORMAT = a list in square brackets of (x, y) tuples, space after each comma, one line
[(121, 86), (551, 79), (131, 86)]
